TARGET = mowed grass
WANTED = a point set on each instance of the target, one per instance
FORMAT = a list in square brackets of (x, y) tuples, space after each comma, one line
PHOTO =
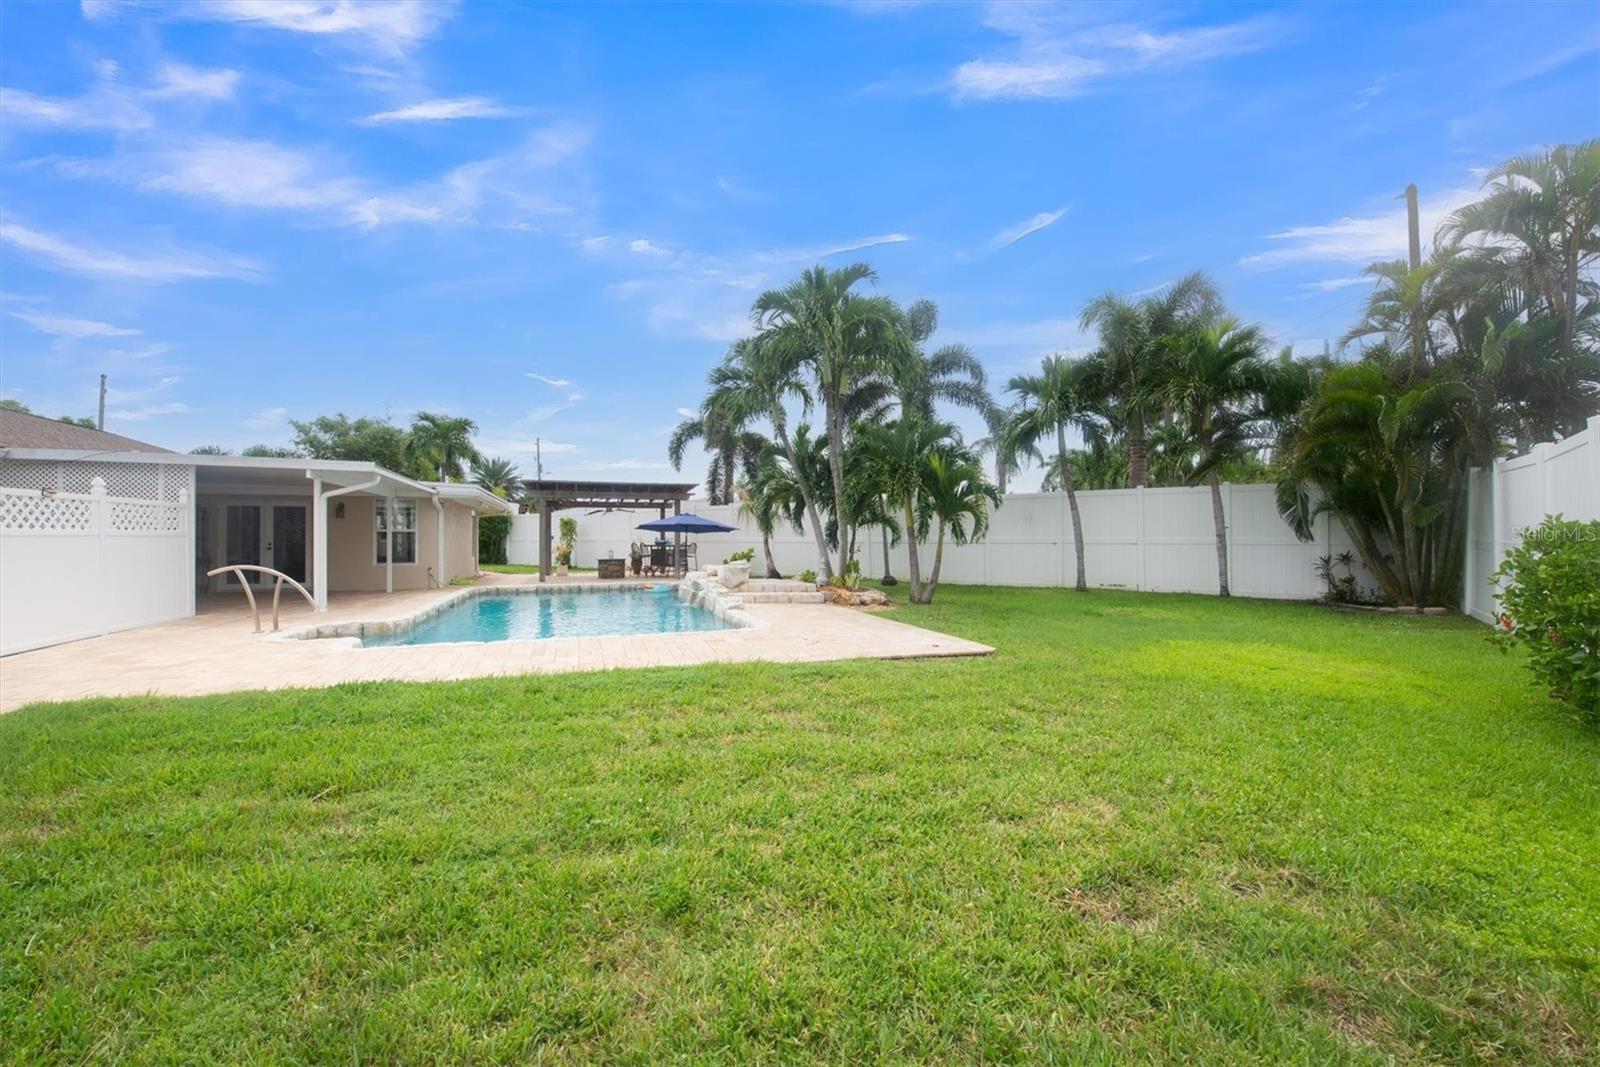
[(1154, 828)]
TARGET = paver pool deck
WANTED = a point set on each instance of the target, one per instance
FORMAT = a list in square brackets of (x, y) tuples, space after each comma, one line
[(216, 651)]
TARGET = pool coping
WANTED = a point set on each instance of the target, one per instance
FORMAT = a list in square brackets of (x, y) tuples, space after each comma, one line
[(351, 634)]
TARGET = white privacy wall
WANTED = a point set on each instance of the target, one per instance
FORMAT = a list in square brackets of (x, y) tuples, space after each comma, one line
[(1515, 495), (1152, 539), (92, 557)]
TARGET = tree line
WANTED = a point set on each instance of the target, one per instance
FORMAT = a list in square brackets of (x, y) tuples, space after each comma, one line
[(1486, 347)]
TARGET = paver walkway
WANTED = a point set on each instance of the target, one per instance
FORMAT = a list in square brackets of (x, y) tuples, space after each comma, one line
[(216, 651)]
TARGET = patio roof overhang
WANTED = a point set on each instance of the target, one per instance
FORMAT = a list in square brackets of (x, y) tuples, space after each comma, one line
[(614, 495)]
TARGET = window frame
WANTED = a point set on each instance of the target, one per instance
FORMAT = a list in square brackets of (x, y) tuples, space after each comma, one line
[(382, 539)]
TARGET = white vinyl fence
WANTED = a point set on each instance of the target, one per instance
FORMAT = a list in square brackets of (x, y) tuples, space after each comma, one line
[(1152, 539), (1515, 496), (75, 565)]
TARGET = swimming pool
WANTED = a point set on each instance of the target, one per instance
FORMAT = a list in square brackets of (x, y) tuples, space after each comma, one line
[(533, 616)]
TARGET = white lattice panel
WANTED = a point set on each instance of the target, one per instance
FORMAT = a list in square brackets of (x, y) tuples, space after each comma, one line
[(31, 513), (139, 481), (142, 516)]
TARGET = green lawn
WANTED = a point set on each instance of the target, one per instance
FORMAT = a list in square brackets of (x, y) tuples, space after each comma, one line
[(1151, 827)]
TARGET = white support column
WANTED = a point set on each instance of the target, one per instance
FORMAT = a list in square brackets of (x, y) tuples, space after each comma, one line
[(388, 544), (438, 545), (319, 545)]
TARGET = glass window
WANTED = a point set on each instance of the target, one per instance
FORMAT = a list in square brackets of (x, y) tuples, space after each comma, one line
[(404, 534)]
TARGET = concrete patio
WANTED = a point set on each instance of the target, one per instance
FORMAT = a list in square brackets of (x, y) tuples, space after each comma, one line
[(217, 651)]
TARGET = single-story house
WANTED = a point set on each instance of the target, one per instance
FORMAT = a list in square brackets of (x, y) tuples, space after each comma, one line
[(99, 532)]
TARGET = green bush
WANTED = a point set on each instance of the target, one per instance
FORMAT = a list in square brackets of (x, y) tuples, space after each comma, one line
[(1550, 605), (808, 576), (741, 557), (493, 532)]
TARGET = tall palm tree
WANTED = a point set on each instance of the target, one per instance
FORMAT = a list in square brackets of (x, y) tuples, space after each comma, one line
[(499, 476), (772, 496), (1542, 214), (723, 432), (842, 337), (442, 443), (897, 455), (950, 374), (1061, 395), (1129, 358), (757, 378), (1214, 382), (955, 500)]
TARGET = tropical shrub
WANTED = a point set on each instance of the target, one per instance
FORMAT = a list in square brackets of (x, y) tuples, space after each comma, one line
[(493, 533), (743, 556), (568, 538), (852, 575), (808, 576), (1550, 605)]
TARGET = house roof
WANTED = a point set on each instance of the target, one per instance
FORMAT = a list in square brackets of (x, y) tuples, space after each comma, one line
[(20, 429)]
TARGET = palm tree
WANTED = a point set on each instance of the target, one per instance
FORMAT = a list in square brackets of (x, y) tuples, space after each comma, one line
[(756, 379), (1129, 358), (499, 476), (1059, 396), (771, 496), (842, 337), (733, 448), (956, 498), (951, 374), (443, 444), (1213, 382), (1542, 215), (896, 453)]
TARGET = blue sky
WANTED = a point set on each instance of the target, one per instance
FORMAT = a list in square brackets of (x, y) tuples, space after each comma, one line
[(554, 218)]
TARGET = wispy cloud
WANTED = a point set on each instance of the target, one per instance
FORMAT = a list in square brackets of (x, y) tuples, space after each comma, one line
[(1359, 238), (1012, 234), (688, 413), (1059, 51), (503, 190), (554, 383), (1329, 285), (645, 247), (110, 105), (445, 109), (153, 266), (622, 465), (149, 411), (392, 27), (267, 418), (548, 411), (796, 255), (72, 328)]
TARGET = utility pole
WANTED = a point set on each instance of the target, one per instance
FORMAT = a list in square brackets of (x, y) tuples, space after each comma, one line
[(100, 423), (1414, 241)]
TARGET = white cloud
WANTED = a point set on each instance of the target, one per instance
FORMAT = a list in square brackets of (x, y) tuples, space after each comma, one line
[(149, 411), (1062, 50), (554, 383), (795, 255), (445, 109), (645, 247), (177, 80), (517, 445), (266, 417), (688, 413), (145, 392), (1360, 238), (496, 191), (1012, 234), (1328, 285), (153, 266), (71, 328), (97, 110), (393, 27), (547, 411)]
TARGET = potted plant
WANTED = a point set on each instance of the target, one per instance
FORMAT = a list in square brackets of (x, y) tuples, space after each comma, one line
[(569, 538)]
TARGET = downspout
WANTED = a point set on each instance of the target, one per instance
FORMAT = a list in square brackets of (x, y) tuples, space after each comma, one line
[(438, 548)]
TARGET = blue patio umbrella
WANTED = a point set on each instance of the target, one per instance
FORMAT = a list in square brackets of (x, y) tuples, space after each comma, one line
[(685, 524)]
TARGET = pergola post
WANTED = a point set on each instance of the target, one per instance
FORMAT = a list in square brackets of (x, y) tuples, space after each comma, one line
[(319, 546), (544, 540)]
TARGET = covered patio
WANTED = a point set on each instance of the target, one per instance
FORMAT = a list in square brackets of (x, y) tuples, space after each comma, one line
[(550, 496)]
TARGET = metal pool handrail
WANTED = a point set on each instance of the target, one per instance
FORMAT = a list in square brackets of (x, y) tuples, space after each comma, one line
[(277, 588)]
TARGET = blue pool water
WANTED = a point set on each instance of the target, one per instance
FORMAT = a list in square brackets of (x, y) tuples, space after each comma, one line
[(529, 616)]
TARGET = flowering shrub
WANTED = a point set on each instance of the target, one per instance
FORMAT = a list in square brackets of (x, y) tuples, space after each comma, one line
[(1550, 604)]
